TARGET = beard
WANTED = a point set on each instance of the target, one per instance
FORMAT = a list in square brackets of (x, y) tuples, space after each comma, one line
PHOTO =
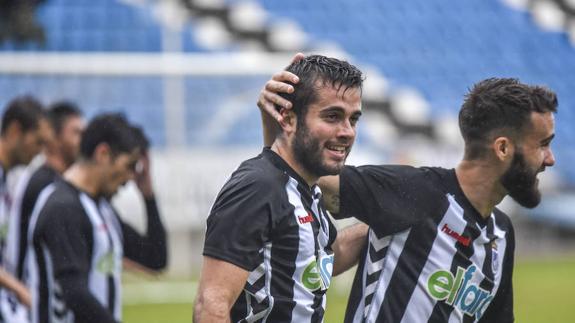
[(521, 182), (308, 153)]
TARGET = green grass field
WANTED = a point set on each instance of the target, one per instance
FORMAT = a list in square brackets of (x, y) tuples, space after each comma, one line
[(543, 294)]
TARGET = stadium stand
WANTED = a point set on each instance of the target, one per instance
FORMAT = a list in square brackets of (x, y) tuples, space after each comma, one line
[(441, 47), (420, 57)]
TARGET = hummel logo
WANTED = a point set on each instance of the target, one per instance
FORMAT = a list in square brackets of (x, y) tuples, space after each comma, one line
[(463, 240), (305, 219)]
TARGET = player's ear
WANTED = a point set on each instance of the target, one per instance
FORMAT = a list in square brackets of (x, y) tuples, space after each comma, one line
[(504, 148), (288, 122), (13, 130), (102, 153)]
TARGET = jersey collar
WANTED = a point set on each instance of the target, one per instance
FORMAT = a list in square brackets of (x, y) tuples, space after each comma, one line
[(280, 163)]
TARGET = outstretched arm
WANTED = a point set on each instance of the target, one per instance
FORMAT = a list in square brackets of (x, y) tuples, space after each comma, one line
[(347, 247), (330, 190), (220, 285)]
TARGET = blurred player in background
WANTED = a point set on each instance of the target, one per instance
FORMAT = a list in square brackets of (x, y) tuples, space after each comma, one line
[(24, 129), (60, 151), (439, 249), (269, 248), (137, 258), (77, 240)]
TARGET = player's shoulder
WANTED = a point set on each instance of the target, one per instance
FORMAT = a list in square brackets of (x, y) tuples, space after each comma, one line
[(259, 174), (61, 198), (402, 173), (42, 177)]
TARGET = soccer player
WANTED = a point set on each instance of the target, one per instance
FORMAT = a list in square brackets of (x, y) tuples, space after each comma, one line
[(61, 151), (21, 138), (77, 241), (270, 248), (439, 249)]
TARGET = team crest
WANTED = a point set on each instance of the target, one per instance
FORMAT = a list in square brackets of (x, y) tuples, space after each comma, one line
[(494, 257)]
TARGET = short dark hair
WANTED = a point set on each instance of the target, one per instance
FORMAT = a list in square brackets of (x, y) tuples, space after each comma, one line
[(59, 112), (112, 129), (143, 142), (500, 106), (25, 110), (317, 68)]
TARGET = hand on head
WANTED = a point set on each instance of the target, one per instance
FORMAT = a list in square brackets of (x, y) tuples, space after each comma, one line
[(279, 83), (142, 176)]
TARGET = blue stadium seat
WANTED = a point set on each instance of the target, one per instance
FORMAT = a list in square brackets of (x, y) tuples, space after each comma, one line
[(442, 47)]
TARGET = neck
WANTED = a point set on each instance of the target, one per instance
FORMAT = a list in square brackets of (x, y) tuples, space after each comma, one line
[(85, 177), (479, 182), (56, 162), (281, 148)]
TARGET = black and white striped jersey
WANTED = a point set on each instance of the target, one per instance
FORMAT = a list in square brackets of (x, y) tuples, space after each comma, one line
[(268, 221), (75, 258), (75, 249), (431, 257), (30, 184), (5, 204)]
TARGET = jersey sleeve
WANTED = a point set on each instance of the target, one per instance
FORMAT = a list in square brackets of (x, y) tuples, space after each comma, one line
[(68, 237), (241, 219), (386, 197), (149, 250)]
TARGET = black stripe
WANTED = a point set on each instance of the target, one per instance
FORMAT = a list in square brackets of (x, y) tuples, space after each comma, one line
[(43, 289), (489, 281), (111, 294), (357, 289), (409, 266), (442, 310), (405, 274)]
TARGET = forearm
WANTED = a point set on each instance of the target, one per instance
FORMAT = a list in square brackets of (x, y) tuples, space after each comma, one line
[(149, 250), (330, 189), (270, 128), (221, 283), (347, 247), (208, 311), (9, 282)]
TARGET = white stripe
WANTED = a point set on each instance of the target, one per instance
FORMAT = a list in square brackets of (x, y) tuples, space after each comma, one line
[(268, 265), (455, 317), (378, 243), (421, 304), (97, 282), (373, 267), (12, 251), (256, 274), (393, 253), (115, 231), (371, 288), (33, 272), (302, 311)]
